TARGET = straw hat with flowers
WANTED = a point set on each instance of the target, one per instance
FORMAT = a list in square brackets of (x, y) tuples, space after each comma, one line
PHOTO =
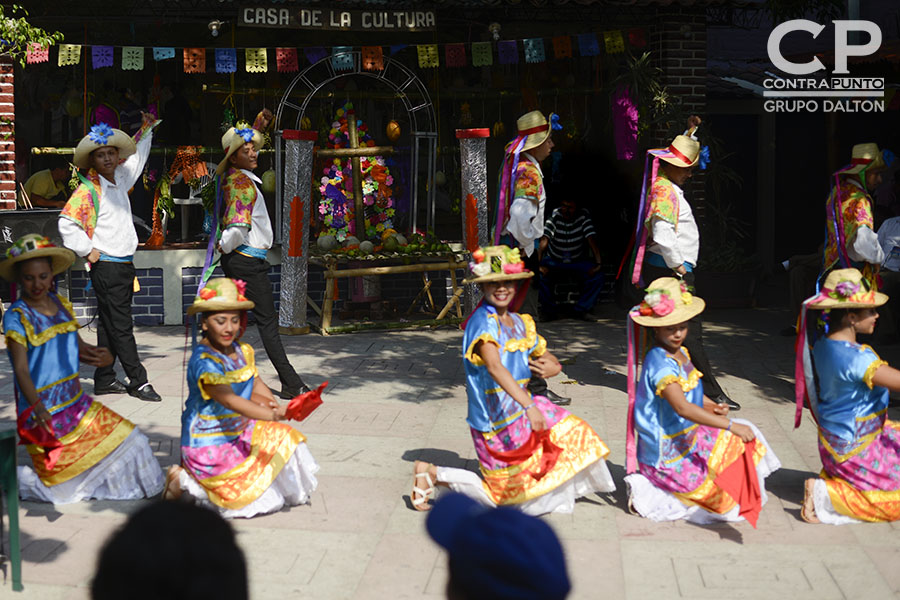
[(32, 246), (667, 302), (220, 293), (497, 263), (102, 135), (846, 288)]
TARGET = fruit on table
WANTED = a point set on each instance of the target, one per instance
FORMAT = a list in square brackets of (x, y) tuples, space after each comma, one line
[(351, 240), (391, 244), (326, 243), (366, 247), (268, 181), (401, 240)]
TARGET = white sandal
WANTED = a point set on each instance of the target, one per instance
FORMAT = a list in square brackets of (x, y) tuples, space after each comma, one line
[(424, 495)]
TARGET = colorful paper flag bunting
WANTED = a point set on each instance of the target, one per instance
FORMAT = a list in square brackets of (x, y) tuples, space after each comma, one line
[(613, 41), (637, 38), (482, 54), (508, 52), (36, 54), (195, 60), (588, 45), (562, 46), (101, 56), (373, 58), (428, 56), (163, 53), (314, 54), (226, 60), (257, 60), (133, 58), (534, 50), (286, 60), (397, 48), (342, 58), (455, 55)]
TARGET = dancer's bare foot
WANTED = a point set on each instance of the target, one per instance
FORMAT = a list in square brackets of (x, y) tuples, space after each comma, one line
[(172, 491), (426, 473), (808, 510)]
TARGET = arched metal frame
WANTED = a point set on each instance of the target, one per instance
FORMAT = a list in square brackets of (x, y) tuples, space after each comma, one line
[(409, 89)]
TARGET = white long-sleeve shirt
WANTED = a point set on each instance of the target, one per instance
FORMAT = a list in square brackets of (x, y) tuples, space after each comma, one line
[(865, 246), (889, 239), (260, 233), (676, 245), (526, 218), (114, 234)]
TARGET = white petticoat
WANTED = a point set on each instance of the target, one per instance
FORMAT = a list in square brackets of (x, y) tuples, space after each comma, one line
[(129, 472), (591, 480), (659, 505), (825, 509), (293, 486)]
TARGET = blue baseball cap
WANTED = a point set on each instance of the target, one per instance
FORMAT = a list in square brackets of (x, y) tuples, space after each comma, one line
[(498, 552)]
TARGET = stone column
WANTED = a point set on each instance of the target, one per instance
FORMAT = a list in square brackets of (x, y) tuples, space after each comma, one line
[(296, 204), (473, 203)]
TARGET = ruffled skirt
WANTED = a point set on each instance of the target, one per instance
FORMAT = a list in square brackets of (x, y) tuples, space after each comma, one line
[(657, 503), (866, 486), (579, 470), (292, 486), (129, 472)]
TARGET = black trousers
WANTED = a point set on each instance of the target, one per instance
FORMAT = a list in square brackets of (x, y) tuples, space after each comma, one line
[(255, 272), (113, 285), (694, 339)]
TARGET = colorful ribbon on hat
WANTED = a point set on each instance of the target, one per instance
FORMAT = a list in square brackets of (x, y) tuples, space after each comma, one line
[(512, 153), (631, 464)]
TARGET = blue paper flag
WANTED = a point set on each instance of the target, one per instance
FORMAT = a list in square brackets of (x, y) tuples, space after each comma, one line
[(226, 60), (163, 53)]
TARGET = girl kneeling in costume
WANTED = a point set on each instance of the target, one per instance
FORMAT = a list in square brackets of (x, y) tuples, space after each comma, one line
[(79, 448), (533, 454), (236, 457), (690, 461), (858, 445)]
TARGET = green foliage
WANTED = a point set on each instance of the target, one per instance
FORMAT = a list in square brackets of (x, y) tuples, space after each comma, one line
[(166, 204), (17, 33), (655, 103)]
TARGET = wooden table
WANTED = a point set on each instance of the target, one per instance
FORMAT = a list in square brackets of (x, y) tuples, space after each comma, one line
[(337, 268), (10, 487)]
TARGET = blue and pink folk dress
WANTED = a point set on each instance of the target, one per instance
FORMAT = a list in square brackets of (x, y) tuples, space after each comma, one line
[(859, 446), (540, 473), (239, 466)]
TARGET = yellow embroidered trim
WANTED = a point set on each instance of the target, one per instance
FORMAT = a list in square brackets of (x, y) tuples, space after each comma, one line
[(864, 441), (682, 432), (686, 384), (217, 433), (541, 347), (238, 376), (36, 339), (497, 390), (470, 354), (230, 415), (528, 341), (870, 371), (66, 404), (50, 385), (16, 337)]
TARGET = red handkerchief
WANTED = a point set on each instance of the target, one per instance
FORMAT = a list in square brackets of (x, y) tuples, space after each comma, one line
[(302, 406), (40, 437), (741, 482)]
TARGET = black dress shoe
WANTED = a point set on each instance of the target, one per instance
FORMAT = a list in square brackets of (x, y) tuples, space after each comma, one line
[(290, 394), (723, 399), (116, 387), (145, 393), (556, 398)]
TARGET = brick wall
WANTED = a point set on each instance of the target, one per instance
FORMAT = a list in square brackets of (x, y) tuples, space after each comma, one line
[(7, 137), (678, 44), (147, 307)]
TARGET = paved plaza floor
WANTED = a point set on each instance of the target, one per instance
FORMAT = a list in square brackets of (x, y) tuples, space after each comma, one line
[(399, 396)]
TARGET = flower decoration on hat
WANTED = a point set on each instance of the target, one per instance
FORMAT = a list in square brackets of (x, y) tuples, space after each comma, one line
[(555, 125), (704, 158), (28, 244), (846, 289), (100, 133), (657, 302), (245, 133)]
